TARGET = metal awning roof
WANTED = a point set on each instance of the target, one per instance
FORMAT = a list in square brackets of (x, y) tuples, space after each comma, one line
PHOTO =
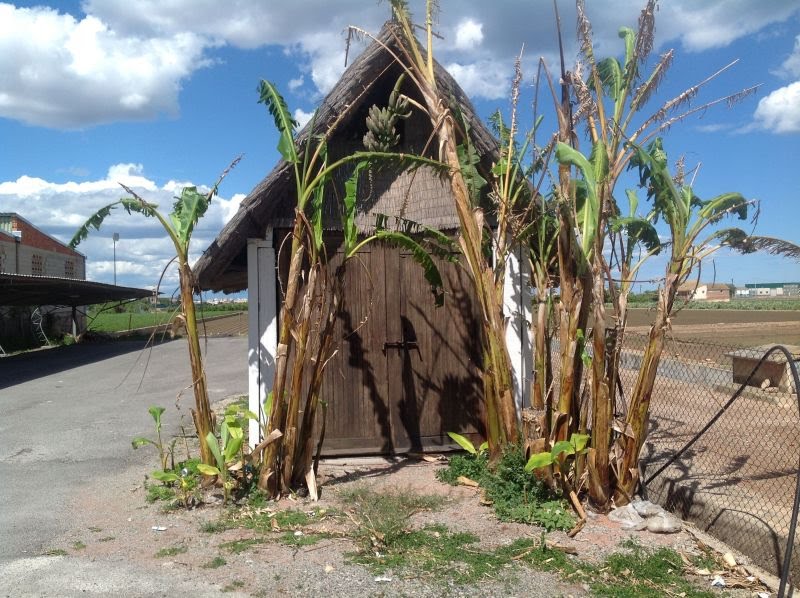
[(20, 289)]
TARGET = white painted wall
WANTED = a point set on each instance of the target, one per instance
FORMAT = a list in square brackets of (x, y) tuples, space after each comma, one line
[(262, 295), (517, 309)]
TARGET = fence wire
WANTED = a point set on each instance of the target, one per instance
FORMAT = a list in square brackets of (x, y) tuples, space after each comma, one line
[(737, 481)]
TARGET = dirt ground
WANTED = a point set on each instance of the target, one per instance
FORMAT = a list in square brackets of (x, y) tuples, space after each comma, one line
[(115, 523)]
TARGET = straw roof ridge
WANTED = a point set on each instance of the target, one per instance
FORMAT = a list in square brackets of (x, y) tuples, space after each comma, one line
[(221, 267)]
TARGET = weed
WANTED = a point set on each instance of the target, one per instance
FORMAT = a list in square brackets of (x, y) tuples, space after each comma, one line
[(293, 518), (157, 492), (233, 586), (214, 527), (238, 546), (78, 545), (55, 552), (95, 529), (634, 573), (473, 467), (642, 574), (257, 499), (293, 539), (171, 551), (516, 494), (384, 516), (215, 563), (106, 539)]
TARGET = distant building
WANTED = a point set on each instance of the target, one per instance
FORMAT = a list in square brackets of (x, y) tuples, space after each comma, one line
[(28, 251), (773, 289), (704, 291), (24, 249)]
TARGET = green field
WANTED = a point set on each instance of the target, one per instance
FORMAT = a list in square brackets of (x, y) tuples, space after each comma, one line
[(735, 304), (109, 321)]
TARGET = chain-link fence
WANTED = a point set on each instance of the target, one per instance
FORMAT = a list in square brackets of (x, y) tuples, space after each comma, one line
[(737, 481)]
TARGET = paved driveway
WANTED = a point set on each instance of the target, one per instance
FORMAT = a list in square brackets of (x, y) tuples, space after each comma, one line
[(67, 417)]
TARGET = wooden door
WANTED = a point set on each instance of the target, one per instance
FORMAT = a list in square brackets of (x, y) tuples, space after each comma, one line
[(433, 357), (405, 372)]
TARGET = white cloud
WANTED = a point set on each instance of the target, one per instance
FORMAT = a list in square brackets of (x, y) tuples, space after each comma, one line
[(717, 23), (58, 71), (791, 66), (486, 79), (779, 112), (713, 128), (469, 34), (295, 84), (128, 60), (302, 117), (143, 250)]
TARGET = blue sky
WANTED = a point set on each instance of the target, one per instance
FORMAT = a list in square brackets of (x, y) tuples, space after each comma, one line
[(159, 95)]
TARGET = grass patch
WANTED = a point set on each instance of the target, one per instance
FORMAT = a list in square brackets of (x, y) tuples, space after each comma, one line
[(171, 551), (437, 553), (95, 529), (239, 546), (106, 539), (516, 495), (383, 517), (215, 563), (55, 552), (78, 545), (159, 492), (233, 586), (214, 527)]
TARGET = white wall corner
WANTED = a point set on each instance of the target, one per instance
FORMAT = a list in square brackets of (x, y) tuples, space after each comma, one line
[(262, 326), (518, 312)]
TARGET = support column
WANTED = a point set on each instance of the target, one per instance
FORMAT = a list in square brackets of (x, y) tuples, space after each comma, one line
[(262, 296), (518, 312)]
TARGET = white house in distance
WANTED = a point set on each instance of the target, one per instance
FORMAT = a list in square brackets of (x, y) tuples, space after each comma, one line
[(770, 289), (704, 291)]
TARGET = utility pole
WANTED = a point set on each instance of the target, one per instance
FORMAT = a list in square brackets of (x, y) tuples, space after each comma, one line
[(115, 236)]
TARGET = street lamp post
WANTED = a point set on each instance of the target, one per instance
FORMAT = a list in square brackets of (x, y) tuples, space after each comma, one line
[(115, 236)]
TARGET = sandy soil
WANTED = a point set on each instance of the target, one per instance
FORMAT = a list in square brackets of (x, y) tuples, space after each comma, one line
[(115, 523)]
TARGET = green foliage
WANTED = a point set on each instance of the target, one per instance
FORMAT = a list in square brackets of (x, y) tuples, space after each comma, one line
[(171, 551), (286, 125), (516, 494), (576, 445), (467, 445), (473, 467), (385, 516), (215, 563), (182, 481), (239, 546), (163, 452)]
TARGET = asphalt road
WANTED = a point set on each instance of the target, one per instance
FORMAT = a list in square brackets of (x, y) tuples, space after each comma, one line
[(67, 417)]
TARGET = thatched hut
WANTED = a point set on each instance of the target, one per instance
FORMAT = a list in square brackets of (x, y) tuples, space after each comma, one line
[(406, 373)]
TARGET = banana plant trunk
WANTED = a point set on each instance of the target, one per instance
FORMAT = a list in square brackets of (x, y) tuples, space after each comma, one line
[(541, 365), (598, 455), (201, 414), (270, 464), (639, 409)]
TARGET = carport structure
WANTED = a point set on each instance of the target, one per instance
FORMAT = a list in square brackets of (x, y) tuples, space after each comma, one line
[(18, 290)]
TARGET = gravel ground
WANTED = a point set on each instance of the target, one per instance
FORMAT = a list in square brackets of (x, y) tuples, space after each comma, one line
[(112, 527)]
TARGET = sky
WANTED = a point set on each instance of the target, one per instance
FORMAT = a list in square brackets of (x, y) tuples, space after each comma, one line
[(160, 95)]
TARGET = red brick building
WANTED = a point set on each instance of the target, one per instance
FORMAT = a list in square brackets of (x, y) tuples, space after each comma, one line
[(24, 249)]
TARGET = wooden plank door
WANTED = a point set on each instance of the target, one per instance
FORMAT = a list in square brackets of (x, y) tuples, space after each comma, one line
[(433, 356), (356, 380)]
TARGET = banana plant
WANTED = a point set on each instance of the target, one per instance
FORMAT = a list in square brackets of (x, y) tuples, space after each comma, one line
[(179, 225), (689, 219), (163, 453)]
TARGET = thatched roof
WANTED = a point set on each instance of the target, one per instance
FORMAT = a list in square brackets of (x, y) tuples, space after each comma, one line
[(223, 265)]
